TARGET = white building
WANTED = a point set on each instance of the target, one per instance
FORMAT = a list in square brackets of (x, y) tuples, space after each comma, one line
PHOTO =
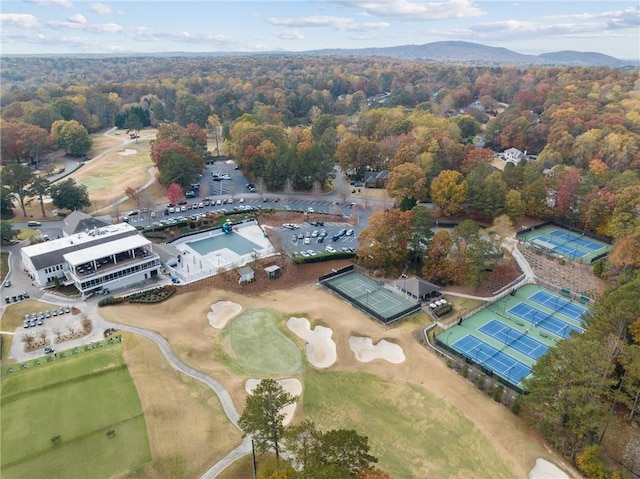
[(514, 156), (113, 256)]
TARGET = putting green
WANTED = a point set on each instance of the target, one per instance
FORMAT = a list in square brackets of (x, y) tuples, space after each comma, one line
[(260, 344), (77, 399)]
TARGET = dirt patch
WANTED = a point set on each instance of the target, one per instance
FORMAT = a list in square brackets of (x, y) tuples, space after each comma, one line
[(564, 273), (291, 275)]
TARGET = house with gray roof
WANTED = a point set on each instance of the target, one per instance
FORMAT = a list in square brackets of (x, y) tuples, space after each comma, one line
[(77, 222)]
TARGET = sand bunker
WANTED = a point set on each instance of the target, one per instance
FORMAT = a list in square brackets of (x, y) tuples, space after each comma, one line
[(127, 152), (545, 470), (365, 351), (321, 350), (291, 385), (222, 312)]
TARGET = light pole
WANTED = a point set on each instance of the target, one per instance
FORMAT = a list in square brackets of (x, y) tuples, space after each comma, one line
[(506, 339), (509, 374), (477, 353), (447, 339)]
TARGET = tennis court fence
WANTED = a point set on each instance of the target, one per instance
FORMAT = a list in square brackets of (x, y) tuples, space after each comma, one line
[(366, 308)]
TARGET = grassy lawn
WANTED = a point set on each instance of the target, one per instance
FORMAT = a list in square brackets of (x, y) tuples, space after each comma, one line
[(412, 432), (260, 346), (79, 398), (101, 179)]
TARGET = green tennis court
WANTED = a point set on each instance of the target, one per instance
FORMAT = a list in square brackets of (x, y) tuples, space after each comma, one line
[(371, 297), (571, 245)]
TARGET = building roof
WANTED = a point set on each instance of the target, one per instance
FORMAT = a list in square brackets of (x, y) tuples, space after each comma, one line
[(246, 270), (86, 255), (77, 222), (373, 176), (52, 252), (167, 252), (416, 287), (514, 152), (272, 269)]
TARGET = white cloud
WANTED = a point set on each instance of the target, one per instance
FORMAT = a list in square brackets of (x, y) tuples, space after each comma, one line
[(102, 9), (337, 23), (22, 20), (79, 22), (290, 35), (78, 18), (408, 10), (58, 3)]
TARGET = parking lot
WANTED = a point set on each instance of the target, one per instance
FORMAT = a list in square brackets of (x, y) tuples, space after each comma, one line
[(310, 239)]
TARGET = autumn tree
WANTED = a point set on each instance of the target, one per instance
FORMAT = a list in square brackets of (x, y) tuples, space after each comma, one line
[(262, 418), (133, 194), (71, 136), (407, 180), (449, 191), (356, 154), (175, 193), (21, 142), (567, 184), (514, 205), (475, 157), (384, 242), (438, 268)]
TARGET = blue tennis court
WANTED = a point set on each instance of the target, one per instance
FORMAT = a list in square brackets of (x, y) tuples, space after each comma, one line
[(515, 339), (544, 320), (567, 236), (558, 304), (489, 357)]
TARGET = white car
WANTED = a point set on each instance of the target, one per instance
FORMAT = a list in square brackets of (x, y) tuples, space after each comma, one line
[(230, 201), (241, 200), (330, 249), (307, 240), (310, 209)]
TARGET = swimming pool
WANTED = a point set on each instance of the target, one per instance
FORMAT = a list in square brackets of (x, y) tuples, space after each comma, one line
[(232, 241)]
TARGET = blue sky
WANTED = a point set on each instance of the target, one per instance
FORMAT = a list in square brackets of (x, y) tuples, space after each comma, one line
[(144, 26)]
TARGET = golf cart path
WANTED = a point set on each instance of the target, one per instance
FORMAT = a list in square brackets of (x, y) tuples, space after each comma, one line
[(225, 398)]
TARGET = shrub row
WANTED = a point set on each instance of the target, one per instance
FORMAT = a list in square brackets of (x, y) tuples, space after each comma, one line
[(155, 295), (109, 300), (323, 257)]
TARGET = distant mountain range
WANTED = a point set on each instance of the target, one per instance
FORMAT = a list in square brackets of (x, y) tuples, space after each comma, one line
[(442, 52), (467, 52)]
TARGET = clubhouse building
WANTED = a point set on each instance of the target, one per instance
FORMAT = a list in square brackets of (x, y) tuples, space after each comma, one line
[(107, 257)]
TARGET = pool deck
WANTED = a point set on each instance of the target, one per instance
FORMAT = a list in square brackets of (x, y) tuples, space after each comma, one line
[(193, 266)]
